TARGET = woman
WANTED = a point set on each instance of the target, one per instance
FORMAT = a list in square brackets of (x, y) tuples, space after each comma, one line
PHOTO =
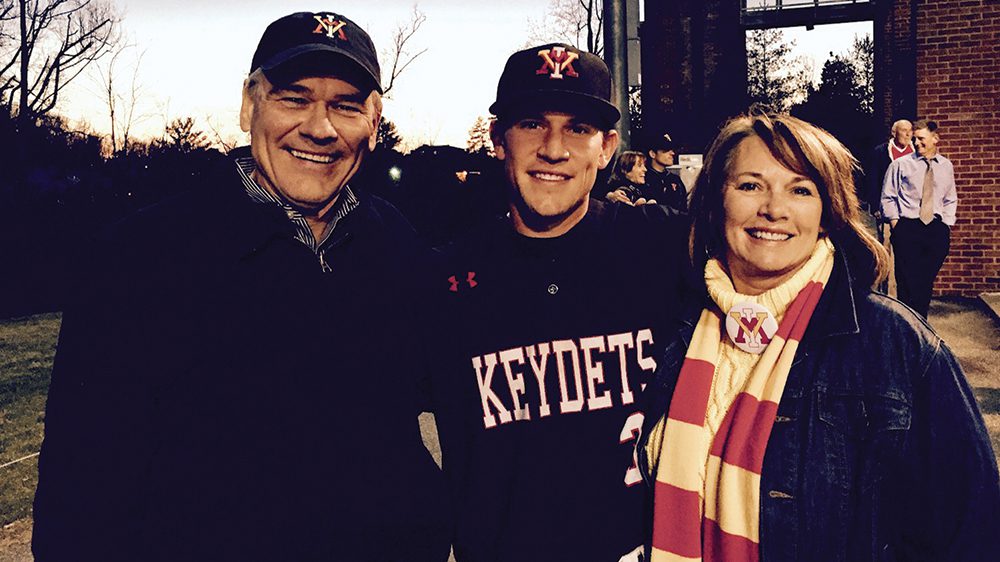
[(625, 185), (875, 449)]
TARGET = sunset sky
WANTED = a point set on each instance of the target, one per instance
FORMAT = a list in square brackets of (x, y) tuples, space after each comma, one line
[(196, 55)]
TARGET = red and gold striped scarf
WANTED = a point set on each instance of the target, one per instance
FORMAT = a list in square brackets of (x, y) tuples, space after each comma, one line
[(707, 492)]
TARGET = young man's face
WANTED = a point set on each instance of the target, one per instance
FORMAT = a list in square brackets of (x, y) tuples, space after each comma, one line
[(308, 137), (551, 160), (925, 142), (660, 159)]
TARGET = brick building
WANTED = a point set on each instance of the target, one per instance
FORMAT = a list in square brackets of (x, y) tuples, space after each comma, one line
[(957, 53), (935, 59)]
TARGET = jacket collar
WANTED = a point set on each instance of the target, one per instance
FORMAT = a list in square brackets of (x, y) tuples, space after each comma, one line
[(836, 313)]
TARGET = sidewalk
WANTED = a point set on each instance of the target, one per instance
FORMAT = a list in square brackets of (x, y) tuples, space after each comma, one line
[(992, 301), (971, 329)]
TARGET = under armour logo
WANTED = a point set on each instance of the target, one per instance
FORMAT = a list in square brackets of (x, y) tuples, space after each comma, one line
[(556, 61), (752, 326), (331, 27), (470, 280)]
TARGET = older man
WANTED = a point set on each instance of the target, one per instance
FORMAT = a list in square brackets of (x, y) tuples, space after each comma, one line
[(552, 322), (231, 382), (900, 144), (919, 199)]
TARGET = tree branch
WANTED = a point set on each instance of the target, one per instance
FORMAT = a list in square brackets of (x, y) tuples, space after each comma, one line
[(399, 56)]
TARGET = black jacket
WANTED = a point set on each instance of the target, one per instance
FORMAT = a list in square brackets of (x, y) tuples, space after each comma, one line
[(667, 189), (216, 397), (878, 451)]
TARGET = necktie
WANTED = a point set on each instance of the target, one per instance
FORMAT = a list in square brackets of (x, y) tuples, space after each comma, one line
[(927, 196)]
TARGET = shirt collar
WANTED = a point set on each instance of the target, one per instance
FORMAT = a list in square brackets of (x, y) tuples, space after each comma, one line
[(345, 203)]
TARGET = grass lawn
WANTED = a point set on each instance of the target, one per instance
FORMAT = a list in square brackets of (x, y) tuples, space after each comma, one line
[(26, 348)]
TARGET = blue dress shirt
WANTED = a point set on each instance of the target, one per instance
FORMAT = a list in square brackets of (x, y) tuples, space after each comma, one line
[(904, 185)]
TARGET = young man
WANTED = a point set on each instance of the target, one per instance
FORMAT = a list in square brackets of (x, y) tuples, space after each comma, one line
[(222, 388), (663, 185), (919, 199), (546, 347)]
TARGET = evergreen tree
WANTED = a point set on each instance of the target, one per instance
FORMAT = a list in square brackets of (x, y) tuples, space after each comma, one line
[(181, 136), (836, 105), (388, 137), (861, 57), (479, 138), (774, 77)]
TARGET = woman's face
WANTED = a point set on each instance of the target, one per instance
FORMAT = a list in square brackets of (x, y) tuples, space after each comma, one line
[(772, 218), (638, 172)]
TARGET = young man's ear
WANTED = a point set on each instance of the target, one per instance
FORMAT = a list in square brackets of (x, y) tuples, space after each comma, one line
[(496, 137), (246, 109), (608, 147)]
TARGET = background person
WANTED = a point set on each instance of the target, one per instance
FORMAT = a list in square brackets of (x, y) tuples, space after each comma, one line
[(663, 185), (625, 185), (900, 144), (214, 386), (809, 417), (919, 200)]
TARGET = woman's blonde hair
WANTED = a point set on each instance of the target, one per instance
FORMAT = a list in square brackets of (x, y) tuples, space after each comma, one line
[(806, 150)]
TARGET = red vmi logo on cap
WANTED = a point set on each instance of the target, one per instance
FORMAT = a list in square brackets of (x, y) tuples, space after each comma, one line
[(331, 27), (556, 61)]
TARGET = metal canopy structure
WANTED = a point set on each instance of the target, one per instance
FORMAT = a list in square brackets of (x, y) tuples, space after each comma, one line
[(762, 14)]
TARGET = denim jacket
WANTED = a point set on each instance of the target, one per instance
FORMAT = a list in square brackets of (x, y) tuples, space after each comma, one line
[(878, 450)]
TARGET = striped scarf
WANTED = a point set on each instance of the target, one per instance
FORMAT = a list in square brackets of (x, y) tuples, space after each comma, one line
[(707, 493)]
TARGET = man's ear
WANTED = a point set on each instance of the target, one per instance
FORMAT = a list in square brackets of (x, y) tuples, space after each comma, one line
[(376, 120), (651, 154), (496, 137), (246, 110), (608, 147)]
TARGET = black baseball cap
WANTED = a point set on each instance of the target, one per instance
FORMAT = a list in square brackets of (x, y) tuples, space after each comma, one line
[(556, 75), (661, 142), (306, 42)]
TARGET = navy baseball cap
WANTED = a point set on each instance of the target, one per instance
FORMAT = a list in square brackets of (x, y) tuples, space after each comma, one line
[(556, 75), (306, 42)]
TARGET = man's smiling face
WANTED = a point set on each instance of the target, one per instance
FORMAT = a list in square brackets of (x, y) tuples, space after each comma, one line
[(552, 159), (308, 137)]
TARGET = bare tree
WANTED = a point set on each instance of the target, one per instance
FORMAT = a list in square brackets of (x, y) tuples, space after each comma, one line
[(400, 54), (55, 41), (577, 22), (225, 142), (122, 101)]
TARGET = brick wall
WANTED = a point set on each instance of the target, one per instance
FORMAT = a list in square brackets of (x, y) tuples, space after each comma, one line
[(958, 85), (895, 76)]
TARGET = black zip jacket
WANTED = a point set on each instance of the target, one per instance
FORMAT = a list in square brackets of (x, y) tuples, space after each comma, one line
[(216, 396)]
